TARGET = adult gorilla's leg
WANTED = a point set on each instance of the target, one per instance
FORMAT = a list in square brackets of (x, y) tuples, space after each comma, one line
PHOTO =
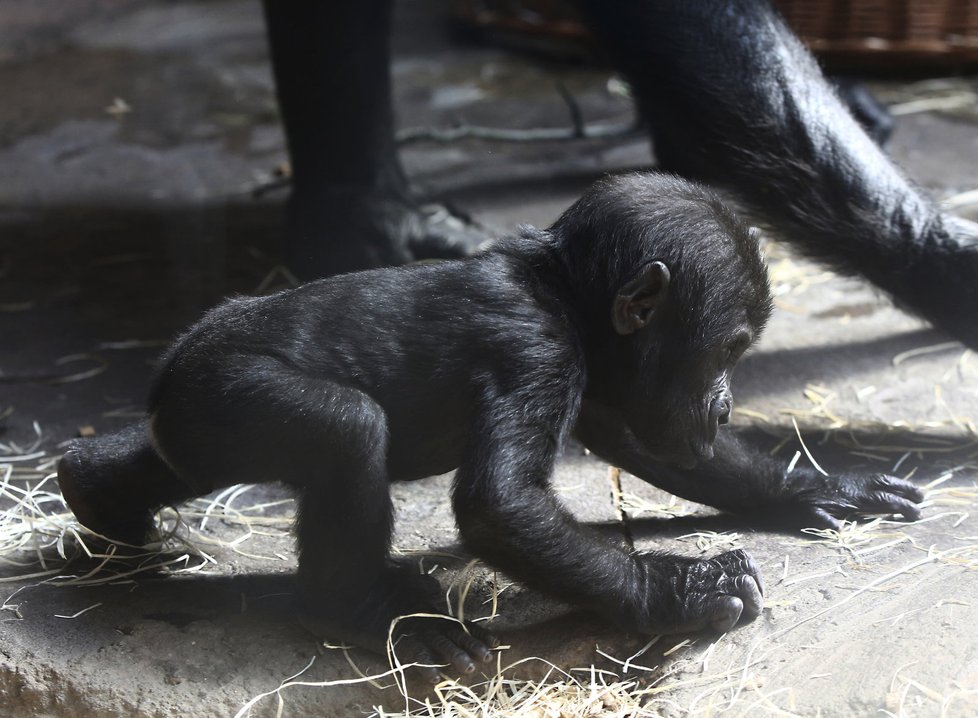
[(350, 207), (873, 116), (734, 98)]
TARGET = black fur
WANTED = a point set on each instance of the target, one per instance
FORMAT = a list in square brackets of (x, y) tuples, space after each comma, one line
[(732, 98), (622, 322)]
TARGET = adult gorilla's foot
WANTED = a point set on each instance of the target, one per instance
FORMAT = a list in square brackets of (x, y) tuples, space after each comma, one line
[(942, 281), (345, 230)]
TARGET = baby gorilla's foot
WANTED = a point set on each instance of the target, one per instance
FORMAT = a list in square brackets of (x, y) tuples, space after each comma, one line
[(442, 642), (349, 229), (97, 504), (396, 617)]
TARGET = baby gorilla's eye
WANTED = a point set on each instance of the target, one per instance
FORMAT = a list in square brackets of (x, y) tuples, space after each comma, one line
[(733, 351)]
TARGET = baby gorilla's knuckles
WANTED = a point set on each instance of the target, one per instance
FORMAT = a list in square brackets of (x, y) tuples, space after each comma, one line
[(665, 600), (747, 589), (744, 564), (733, 589), (882, 498), (691, 594)]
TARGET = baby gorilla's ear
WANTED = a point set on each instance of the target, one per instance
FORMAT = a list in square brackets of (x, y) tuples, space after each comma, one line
[(638, 299)]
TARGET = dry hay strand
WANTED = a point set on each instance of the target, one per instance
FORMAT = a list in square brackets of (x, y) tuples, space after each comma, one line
[(857, 541), (40, 539), (60, 377), (953, 96), (714, 541), (581, 692), (576, 693), (790, 274), (955, 435), (910, 697), (634, 506)]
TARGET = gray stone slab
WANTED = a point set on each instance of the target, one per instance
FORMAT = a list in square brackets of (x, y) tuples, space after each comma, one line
[(126, 226)]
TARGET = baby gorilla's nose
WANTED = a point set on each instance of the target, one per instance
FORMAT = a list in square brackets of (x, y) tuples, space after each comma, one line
[(720, 409)]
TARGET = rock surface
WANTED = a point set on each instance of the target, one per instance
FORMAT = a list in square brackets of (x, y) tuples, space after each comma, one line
[(132, 133)]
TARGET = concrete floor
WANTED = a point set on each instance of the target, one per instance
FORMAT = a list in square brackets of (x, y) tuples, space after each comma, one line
[(132, 133)]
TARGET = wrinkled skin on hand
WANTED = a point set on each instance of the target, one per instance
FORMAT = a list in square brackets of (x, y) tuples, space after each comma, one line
[(691, 594)]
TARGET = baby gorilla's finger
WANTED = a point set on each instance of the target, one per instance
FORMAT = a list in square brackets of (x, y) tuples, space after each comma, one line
[(885, 501), (742, 579), (819, 518), (726, 613), (427, 666), (749, 567), (891, 503), (477, 631), (744, 588), (902, 487)]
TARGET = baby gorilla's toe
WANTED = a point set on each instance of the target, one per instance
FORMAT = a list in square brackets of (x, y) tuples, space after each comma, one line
[(434, 643)]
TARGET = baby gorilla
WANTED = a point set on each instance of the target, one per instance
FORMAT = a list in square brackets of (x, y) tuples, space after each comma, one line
[(623, 321)]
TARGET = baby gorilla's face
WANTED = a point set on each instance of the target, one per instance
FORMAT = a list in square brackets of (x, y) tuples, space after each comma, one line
[(677, 411)]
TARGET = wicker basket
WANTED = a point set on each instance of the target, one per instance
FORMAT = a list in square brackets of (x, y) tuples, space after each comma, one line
[(879, 34), (883, 32)]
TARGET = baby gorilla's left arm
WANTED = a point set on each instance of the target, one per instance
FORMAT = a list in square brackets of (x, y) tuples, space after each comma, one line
[(743, 480)]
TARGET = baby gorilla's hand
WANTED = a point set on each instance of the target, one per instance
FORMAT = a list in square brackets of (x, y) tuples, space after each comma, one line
[(818, 501), (686, 594)]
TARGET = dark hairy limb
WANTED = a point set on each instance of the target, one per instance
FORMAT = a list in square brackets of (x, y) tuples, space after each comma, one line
[(335, 453), (645, 292), (696, 594), (734, 99), (397, 613), (508, 515), (350, 206), (874, 117), (115, 483), (741, 479)]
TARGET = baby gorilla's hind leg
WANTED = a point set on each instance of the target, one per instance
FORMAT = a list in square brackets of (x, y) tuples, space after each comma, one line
[(115, 483), (400, 607), (349, 588)]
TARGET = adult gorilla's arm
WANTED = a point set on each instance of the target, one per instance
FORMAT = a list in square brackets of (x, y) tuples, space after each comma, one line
[(733, 98), (743, 480)]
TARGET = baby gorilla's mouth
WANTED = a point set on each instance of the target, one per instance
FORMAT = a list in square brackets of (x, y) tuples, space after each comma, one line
[(694, 453), (702, 450)]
